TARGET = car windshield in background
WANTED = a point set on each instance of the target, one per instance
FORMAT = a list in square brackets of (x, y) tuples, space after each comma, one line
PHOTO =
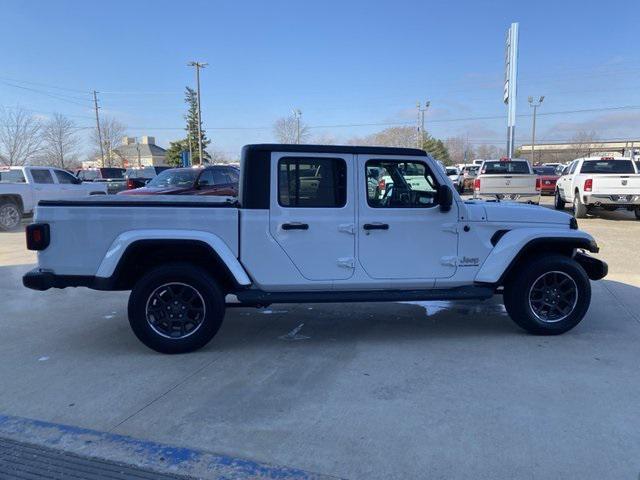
[(175, 178), (89, 175), (500, 168), (112, 172), (11, 176), (452, 171), (544, 170), (607, 166)]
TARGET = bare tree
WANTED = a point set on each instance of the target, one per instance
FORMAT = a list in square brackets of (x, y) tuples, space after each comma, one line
[(460, 151), (20, 139), (112, 134), (60, 142), (285, 130), (488, 152)]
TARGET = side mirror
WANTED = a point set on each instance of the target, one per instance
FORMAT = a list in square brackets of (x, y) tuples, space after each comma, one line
[(445, 198)]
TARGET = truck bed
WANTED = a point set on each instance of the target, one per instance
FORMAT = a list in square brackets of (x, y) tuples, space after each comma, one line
[(84, 230)]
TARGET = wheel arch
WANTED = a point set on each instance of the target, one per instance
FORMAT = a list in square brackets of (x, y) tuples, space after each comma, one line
[(130, 256), (17, 199), (515, 247)]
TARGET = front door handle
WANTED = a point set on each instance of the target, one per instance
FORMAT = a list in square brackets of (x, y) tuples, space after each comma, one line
[(295, 226), (376, 226)]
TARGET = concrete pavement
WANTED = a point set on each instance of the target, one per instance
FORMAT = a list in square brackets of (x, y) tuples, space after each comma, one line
[(431, 390)]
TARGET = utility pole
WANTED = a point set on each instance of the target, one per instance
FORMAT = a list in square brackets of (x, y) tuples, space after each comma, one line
[(510, 85), (198, 66), (95, 103), (535, 106), (297, 114), (421, 110)]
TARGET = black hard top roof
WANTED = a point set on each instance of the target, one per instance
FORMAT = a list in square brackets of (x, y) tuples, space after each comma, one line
[(281, 147)]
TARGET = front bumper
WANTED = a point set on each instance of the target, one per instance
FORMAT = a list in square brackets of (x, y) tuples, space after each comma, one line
[(627, 200), (513, 197)]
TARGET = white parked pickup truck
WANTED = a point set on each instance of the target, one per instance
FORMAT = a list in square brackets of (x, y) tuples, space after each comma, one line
[(605, 182), (308, 228), (507, 179), (22, 187)]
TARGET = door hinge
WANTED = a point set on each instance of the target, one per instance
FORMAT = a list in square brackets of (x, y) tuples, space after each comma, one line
[(347, 262), (451, 261), (450, 227), (347, 228)]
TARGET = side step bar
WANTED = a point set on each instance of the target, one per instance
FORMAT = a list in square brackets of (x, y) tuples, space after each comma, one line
[(262, 298)]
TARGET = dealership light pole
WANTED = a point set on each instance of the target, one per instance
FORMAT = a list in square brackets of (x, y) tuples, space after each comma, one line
[(535, 105), (510, 84), (421, 110), (198, 66), (297, 114)]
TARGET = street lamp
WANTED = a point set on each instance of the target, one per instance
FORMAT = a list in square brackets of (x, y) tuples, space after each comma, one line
[(297, 114), (535, 105)]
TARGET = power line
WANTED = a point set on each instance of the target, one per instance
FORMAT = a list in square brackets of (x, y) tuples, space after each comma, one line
[(48, 94)]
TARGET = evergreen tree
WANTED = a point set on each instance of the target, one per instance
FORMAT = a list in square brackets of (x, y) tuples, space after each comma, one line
[(435, 148), (191, 99), (174, 152)]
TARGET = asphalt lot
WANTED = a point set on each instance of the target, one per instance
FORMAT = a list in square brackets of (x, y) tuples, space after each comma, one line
[(429, 390)]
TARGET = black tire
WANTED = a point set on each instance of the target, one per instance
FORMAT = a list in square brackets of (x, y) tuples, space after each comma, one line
[(579, 208), (637, 211), (519, 295), (173, 286), (558, 203), (10, 216)]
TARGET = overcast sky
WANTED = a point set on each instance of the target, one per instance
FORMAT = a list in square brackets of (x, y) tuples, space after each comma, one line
[(340, 62)]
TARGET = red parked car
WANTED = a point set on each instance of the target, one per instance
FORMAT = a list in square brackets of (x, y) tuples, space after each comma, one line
[(548, 179), (213, 180)]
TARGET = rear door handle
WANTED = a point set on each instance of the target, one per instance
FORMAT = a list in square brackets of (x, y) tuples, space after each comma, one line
[(295, 226), (376, 226)]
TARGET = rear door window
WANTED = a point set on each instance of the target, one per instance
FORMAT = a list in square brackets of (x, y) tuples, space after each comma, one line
[(312, 182), (41, 175)]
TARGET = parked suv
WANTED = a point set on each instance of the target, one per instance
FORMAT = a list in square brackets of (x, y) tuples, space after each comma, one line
[(112, 176), (138, 177), (212, 180)]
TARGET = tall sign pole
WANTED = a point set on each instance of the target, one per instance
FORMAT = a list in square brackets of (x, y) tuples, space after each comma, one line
[(510, 85)]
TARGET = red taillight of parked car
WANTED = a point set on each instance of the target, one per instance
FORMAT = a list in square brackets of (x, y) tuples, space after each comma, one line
[(588, 185), (37, 236), (476, 184), (130, 184), (382, 184), (538, 184)]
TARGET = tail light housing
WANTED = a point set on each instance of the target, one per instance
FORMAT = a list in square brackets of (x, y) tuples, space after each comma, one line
[(538, 184), (130, 184), (38, 236), (588, 185), (476, 184)]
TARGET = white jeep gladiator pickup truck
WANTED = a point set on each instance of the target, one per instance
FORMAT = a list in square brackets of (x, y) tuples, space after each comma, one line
[(605, 182), (507, 179), (22, 187), (306, 228)]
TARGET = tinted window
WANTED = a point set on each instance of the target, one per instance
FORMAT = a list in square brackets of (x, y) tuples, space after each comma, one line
[(392, 184), (312, 182), (89, 175), (64, 177), (544, 170), (112, 172), (452, 171), (511, 168), (179, 177), (41, 176), (12, 176), (607, 166), (572, 167)]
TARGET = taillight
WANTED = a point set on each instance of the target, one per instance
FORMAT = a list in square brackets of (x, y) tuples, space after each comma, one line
[(130, 184), (37, 236), (588, 185), (476, 184), (538, 184), (382, 184)]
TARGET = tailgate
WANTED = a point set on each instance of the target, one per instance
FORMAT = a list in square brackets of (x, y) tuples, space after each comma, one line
[(616, 184), (507, 183)]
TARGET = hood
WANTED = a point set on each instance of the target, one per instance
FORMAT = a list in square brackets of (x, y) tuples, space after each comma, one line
[(511, 212), (154, 191)]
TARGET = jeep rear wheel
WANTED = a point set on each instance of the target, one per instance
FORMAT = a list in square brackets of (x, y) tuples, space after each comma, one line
[(176, 308), (579, 208), (558, 203), (637, 213), (10, 216), (549, 296)]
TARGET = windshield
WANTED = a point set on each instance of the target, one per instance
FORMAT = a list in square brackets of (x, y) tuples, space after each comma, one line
[(607, 166), (471, 170), (452, 171), (175, 178), (497, 168), (112, 172), (544, 170), (11, 176)]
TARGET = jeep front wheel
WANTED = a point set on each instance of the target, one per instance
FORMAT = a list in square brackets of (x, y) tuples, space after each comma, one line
[(176, 308), (549, 296)]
